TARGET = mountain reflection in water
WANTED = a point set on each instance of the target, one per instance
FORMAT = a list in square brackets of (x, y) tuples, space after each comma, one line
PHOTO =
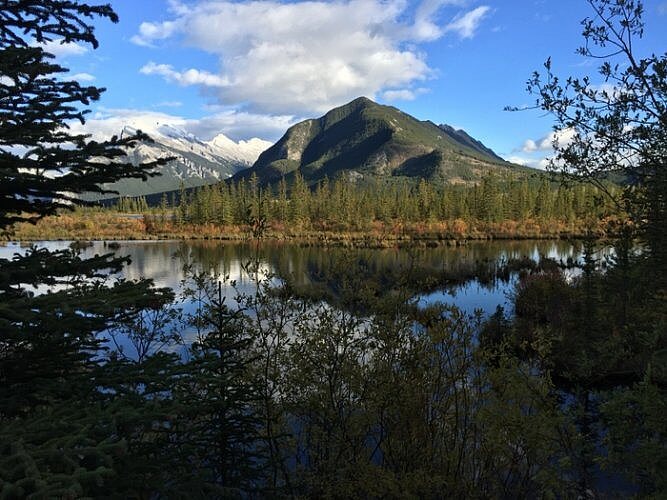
[(470, 277)]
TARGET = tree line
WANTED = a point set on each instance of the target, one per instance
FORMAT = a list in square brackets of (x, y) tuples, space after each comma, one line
[(346, 203)]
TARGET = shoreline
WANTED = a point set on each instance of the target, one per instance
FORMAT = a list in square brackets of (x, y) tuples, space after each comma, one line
[(100, 226), (340, 240)]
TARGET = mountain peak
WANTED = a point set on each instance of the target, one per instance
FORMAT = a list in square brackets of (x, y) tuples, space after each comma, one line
[(374, 140), (463, 137), (174, 132), (362, 101), (196, 162), (222, 140), (243, 151), (128, 130)]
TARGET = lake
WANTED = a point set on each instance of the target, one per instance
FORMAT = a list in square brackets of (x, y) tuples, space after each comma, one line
[(476, 277), (466, 276)]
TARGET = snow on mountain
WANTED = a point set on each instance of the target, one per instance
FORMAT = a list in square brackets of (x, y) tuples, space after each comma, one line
[(221, 146), (196, 162), (244, 151)]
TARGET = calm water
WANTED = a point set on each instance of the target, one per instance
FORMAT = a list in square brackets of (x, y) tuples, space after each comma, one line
[(469, 277), (465, 276)]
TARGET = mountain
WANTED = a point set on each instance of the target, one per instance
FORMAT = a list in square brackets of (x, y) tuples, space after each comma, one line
[(196, 162), (366, 140), (462, 137)]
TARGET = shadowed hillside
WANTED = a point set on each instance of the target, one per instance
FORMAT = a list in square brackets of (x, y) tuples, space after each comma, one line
[(365, 140)]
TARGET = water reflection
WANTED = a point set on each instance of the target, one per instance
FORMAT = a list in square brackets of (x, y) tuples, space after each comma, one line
[(333, 366), (466, 276)]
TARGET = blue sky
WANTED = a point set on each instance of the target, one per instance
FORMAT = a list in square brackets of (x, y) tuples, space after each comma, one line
[(252, 68)]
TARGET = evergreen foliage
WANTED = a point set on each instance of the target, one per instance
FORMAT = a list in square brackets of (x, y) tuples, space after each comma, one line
[(219, 393), (58, 434), (43, 167), (345, 203)]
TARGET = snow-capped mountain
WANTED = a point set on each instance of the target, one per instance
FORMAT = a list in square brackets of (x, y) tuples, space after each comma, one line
[(196, 163), (243, 151)]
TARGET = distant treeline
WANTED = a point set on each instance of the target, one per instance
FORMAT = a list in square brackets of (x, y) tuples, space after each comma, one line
[(345, 202)]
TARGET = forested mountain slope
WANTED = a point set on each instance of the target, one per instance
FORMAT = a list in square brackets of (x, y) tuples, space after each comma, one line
[(366, 140)]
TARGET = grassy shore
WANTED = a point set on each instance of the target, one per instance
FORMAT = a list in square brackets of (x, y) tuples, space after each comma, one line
[(108, 225)]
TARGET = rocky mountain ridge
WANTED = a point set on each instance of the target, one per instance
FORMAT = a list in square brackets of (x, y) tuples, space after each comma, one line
[(197, 162), (365, 140)]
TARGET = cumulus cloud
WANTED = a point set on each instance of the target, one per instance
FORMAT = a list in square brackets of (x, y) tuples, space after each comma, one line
[(546, 143), (529, 146), (60, 49), (399, 95), (403, 94), (150, 32), (538, 153), (234, 124), (238, 125), (184, 78), (540, 163), (307, 56)]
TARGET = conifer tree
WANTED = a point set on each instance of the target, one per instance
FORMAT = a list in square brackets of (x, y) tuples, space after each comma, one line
[(219, 394), (56, 437), (35, 108), (300, 203)]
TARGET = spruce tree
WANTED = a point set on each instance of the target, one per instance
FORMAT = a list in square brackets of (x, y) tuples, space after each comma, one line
[(36, 106), (57, 437), (219, 394)]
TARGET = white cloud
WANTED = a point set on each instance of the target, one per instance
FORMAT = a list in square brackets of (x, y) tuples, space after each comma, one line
[(307, 56), (137, 40), (539, 152), (529, 146), (519, 160), (466, 25), (82, 77), (60, 49), (177, 7), (108, 122), (403, 94), (608, 92), (546, 143), (662, 8), (426, 26), (236, 125), (150, 32), (239, 125), (188, 77), (607, 88), (399, 95)]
